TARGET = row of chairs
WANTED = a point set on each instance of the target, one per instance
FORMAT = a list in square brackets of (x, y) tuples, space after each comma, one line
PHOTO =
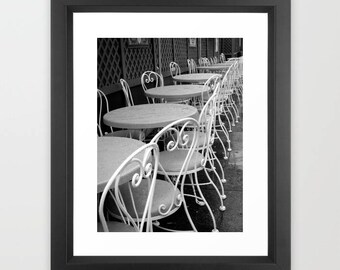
[(157, 191), (138, 204), (149, 79)]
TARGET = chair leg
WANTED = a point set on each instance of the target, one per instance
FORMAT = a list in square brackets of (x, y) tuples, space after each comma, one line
[(214, 157), (221, 195), (233, 105), (225, 131), (199, 202), (206, 203), (232, 116), (219, 138)]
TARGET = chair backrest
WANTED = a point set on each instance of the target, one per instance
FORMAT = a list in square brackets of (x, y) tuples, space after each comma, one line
[(151, 79), (131, 212), (127, 92), (207, 120), (222, 57), (193, 66), (208, 89), (205, 62), (189, 65), (215, 60), (103, 107), (174, 69), (228, 78), (177, 137)]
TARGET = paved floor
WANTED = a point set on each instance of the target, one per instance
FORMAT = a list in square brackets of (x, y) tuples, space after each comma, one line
[(230, 220)]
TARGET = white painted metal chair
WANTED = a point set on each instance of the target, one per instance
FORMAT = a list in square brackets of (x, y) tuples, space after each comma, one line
[(127, 92), (151, 79), (188, 144), (222, 58), (215, 60), (227, 89), (142, 200), (189, 65), (175, 70), (104, 108), (192, 67), (212, 103)]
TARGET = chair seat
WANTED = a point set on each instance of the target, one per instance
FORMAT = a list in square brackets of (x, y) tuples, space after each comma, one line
[(116, 227), (163, 195), (226, 91), (177, 101), (172, 161), (128, 133), (201, 138)]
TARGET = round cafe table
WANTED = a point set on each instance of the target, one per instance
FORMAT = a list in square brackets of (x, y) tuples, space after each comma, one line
[(111, 152), (213, 68), (148, 115), (176, 92), (194, 77), (225, 64)]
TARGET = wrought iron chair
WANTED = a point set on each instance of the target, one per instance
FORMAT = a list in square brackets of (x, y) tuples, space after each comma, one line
[(151, 79), (127, 92), (227, 89), (141, 201), (222, 58), (156, 199), (104, 108), (185, 146), (175, 70), (189, 66), (212, 100), (193, 66)]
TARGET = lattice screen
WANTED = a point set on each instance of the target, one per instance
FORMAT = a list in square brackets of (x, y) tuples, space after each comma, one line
[(137, 59), (109, 66), (167, 54), (181, 52), (210, 47), (227, 46), (203, 47), (156, 53)]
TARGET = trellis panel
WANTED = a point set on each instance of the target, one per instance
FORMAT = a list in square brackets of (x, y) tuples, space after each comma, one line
[(166, 55), (203, 47), (137, 60), (109, 62), (227, 47), (181, 53), (210, 47)]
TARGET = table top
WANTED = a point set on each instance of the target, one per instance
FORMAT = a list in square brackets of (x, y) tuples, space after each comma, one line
[(148, 115), (194, 77), (224, 64), (214, 67), (173, 92), (111, 152)]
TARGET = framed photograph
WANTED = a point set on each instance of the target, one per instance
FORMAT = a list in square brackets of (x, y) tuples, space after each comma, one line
[(192, 42), (240, 220), (138, 42)]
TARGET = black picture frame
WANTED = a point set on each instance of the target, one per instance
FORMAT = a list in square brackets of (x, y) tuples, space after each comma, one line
[(193, 42), (138, 42), (278, 136)]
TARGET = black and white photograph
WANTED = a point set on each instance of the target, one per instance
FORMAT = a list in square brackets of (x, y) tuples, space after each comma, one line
[(170, 134)]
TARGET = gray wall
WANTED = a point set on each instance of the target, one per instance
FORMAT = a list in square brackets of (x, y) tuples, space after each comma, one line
[(25, 133)]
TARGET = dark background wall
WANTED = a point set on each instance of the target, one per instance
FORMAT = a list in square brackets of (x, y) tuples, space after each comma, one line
[(117, 59)]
